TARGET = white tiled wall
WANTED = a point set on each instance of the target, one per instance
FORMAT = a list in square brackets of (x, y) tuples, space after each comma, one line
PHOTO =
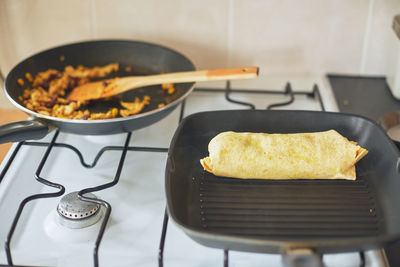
[(198, 29), (381, 45), (287, 39)]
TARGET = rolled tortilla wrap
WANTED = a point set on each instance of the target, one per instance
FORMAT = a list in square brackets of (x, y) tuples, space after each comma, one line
[(319, 155)]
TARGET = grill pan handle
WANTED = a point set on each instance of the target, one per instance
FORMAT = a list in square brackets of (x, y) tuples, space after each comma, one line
[(23, 130), (301, 257)]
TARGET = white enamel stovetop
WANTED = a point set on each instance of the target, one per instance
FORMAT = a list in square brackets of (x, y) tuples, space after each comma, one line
[(138, 201)]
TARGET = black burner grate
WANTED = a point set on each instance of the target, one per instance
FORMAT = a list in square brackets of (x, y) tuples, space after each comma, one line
[(207, 197)]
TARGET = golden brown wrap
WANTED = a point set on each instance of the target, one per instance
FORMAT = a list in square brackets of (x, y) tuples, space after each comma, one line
[(320, 155)]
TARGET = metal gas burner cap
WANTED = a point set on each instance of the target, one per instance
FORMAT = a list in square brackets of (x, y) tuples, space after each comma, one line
[(75, 213)]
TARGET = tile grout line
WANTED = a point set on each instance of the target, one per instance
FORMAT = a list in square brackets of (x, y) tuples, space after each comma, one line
[(367, 33), (230, 32), (93, 20)]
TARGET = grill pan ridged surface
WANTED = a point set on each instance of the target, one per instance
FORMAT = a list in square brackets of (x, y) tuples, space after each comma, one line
[(328, 216), (296, 209)]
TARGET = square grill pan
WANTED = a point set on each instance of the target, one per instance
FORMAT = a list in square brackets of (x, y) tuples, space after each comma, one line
[(272, 216)]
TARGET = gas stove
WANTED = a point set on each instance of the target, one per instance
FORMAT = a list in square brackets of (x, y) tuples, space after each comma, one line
[(71, 200)]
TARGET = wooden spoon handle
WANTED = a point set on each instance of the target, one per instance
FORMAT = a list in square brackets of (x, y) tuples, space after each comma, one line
[(113, 87), (233, 73), (192, 76)]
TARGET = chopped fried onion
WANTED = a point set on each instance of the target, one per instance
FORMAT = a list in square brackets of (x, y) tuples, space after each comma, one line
[(47, 93)]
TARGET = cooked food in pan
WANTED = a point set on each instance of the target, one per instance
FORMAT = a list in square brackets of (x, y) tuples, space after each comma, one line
[(48, 91), (319, 155)]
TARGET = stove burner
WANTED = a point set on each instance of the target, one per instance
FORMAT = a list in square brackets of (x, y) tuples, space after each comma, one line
[(75, 213)]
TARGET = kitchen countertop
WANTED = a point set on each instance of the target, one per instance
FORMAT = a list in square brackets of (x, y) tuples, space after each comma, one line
[(6, 116)]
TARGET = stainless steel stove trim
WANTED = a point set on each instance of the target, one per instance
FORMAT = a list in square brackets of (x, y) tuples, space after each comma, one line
[(328, 97)]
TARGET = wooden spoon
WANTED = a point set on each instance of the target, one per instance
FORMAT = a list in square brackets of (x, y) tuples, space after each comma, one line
[(111, 87)]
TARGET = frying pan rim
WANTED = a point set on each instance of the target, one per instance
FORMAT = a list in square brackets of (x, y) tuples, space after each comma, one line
[(372, 241), (112, 120)]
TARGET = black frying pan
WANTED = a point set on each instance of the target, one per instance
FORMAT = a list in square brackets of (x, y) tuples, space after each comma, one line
[(271, 216), (144, 58)]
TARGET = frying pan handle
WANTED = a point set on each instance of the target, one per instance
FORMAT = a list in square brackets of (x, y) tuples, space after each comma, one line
[(302, 258), (22, 130)]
